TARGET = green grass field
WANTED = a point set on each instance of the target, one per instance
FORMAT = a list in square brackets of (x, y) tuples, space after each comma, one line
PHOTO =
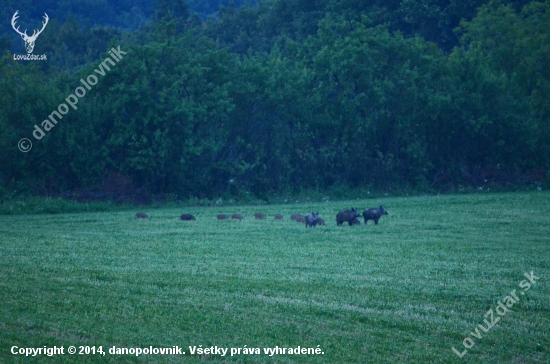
[(404, 291)]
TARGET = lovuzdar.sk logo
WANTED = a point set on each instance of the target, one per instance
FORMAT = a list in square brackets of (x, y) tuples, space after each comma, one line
[(29, 40)]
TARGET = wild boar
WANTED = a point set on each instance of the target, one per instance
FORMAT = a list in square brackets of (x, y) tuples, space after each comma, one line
[(141, 215), (346, 216), (374, 214), (259, 216), (237, 217), (297, 218), (356, 222), (222, 217), (278, 217), (312, 219), (187, 217), (320, 221)]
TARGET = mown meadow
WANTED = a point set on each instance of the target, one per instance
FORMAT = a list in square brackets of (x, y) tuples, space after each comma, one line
[(404, 291)]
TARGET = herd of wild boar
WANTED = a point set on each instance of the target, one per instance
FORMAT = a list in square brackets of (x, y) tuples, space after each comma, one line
[(311, 220)]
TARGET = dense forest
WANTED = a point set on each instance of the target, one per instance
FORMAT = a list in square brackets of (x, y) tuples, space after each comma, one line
[(219, 98)]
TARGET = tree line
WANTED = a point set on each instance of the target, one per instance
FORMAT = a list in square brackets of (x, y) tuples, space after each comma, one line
[(284, 96)]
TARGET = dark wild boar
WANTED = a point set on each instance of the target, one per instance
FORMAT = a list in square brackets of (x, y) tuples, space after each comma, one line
[(320, 221), (278, 217), (141, 215), (222, 217), (346, 216), (187, 217), (312, 219), (374, 214), (259, 216), (356, 222), (237, 217)]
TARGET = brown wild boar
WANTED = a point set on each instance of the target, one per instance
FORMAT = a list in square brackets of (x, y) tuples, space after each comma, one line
[(320, 221), (374, 214), (297, 217), (222, 217), (278, 217), (346, 216), (141, 215), (187, 217), (259, 216), (356, 222), (237, 217)]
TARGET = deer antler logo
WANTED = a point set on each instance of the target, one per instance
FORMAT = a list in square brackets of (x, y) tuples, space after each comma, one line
[(29, 41)]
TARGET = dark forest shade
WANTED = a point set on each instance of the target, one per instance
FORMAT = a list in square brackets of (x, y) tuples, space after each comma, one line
[(338, 103)]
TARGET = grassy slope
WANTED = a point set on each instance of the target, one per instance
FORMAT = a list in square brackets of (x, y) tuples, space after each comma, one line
[(406, 290)]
